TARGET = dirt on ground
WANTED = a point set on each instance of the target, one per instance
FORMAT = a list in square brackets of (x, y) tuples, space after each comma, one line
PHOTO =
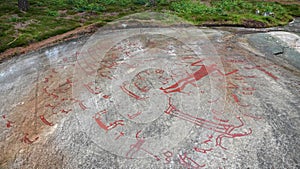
[(85, 30)]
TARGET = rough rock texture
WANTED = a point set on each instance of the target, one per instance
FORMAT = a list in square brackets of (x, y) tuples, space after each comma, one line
[(144, 92)]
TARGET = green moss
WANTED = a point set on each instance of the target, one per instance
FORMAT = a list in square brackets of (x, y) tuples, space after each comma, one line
[(293, 9)]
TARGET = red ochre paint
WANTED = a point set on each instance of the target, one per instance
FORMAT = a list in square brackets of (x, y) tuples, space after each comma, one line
[(134, 115), (25, 139), (189, 162), (45, 121), (130, 93), (201, 150), (199, 74), (224, 129), (89, 88)]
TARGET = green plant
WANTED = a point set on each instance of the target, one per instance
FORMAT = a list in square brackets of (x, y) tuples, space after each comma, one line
[(86, 5), (140, 2), (13, 19), (52, 13)]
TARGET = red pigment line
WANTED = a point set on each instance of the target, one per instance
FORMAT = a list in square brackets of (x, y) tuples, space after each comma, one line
[(236, 99), (105, 96), (151, 154), (188, 57), (120, 135), (89, 88), (46, 91), (130, 93), (216, 113), (134, 148), (60, 90), (108, 64), (201, 150), (198, 121), (66, 111), (213, 101), (45, 121), (197, 63), (80, 102), (209, 126), (105, 74), (97, 118), (134, 115), (69, 81), (54, 95), (188, 163), (163, 80), (81, 105), (142, 89), (247, 93), (159, 71), (221, 120), (115, 124), (232, 85), (171, 107), (224, 129), (220, 137), (230, 135), (221, 128), (8, 124), (207, 141), (226, 74), (50, 105), (137, 134), (53, 107), (168, 155), (234, 71), (25, 139), (50, 94), (249, 88), (199, 74), (268, 73)]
